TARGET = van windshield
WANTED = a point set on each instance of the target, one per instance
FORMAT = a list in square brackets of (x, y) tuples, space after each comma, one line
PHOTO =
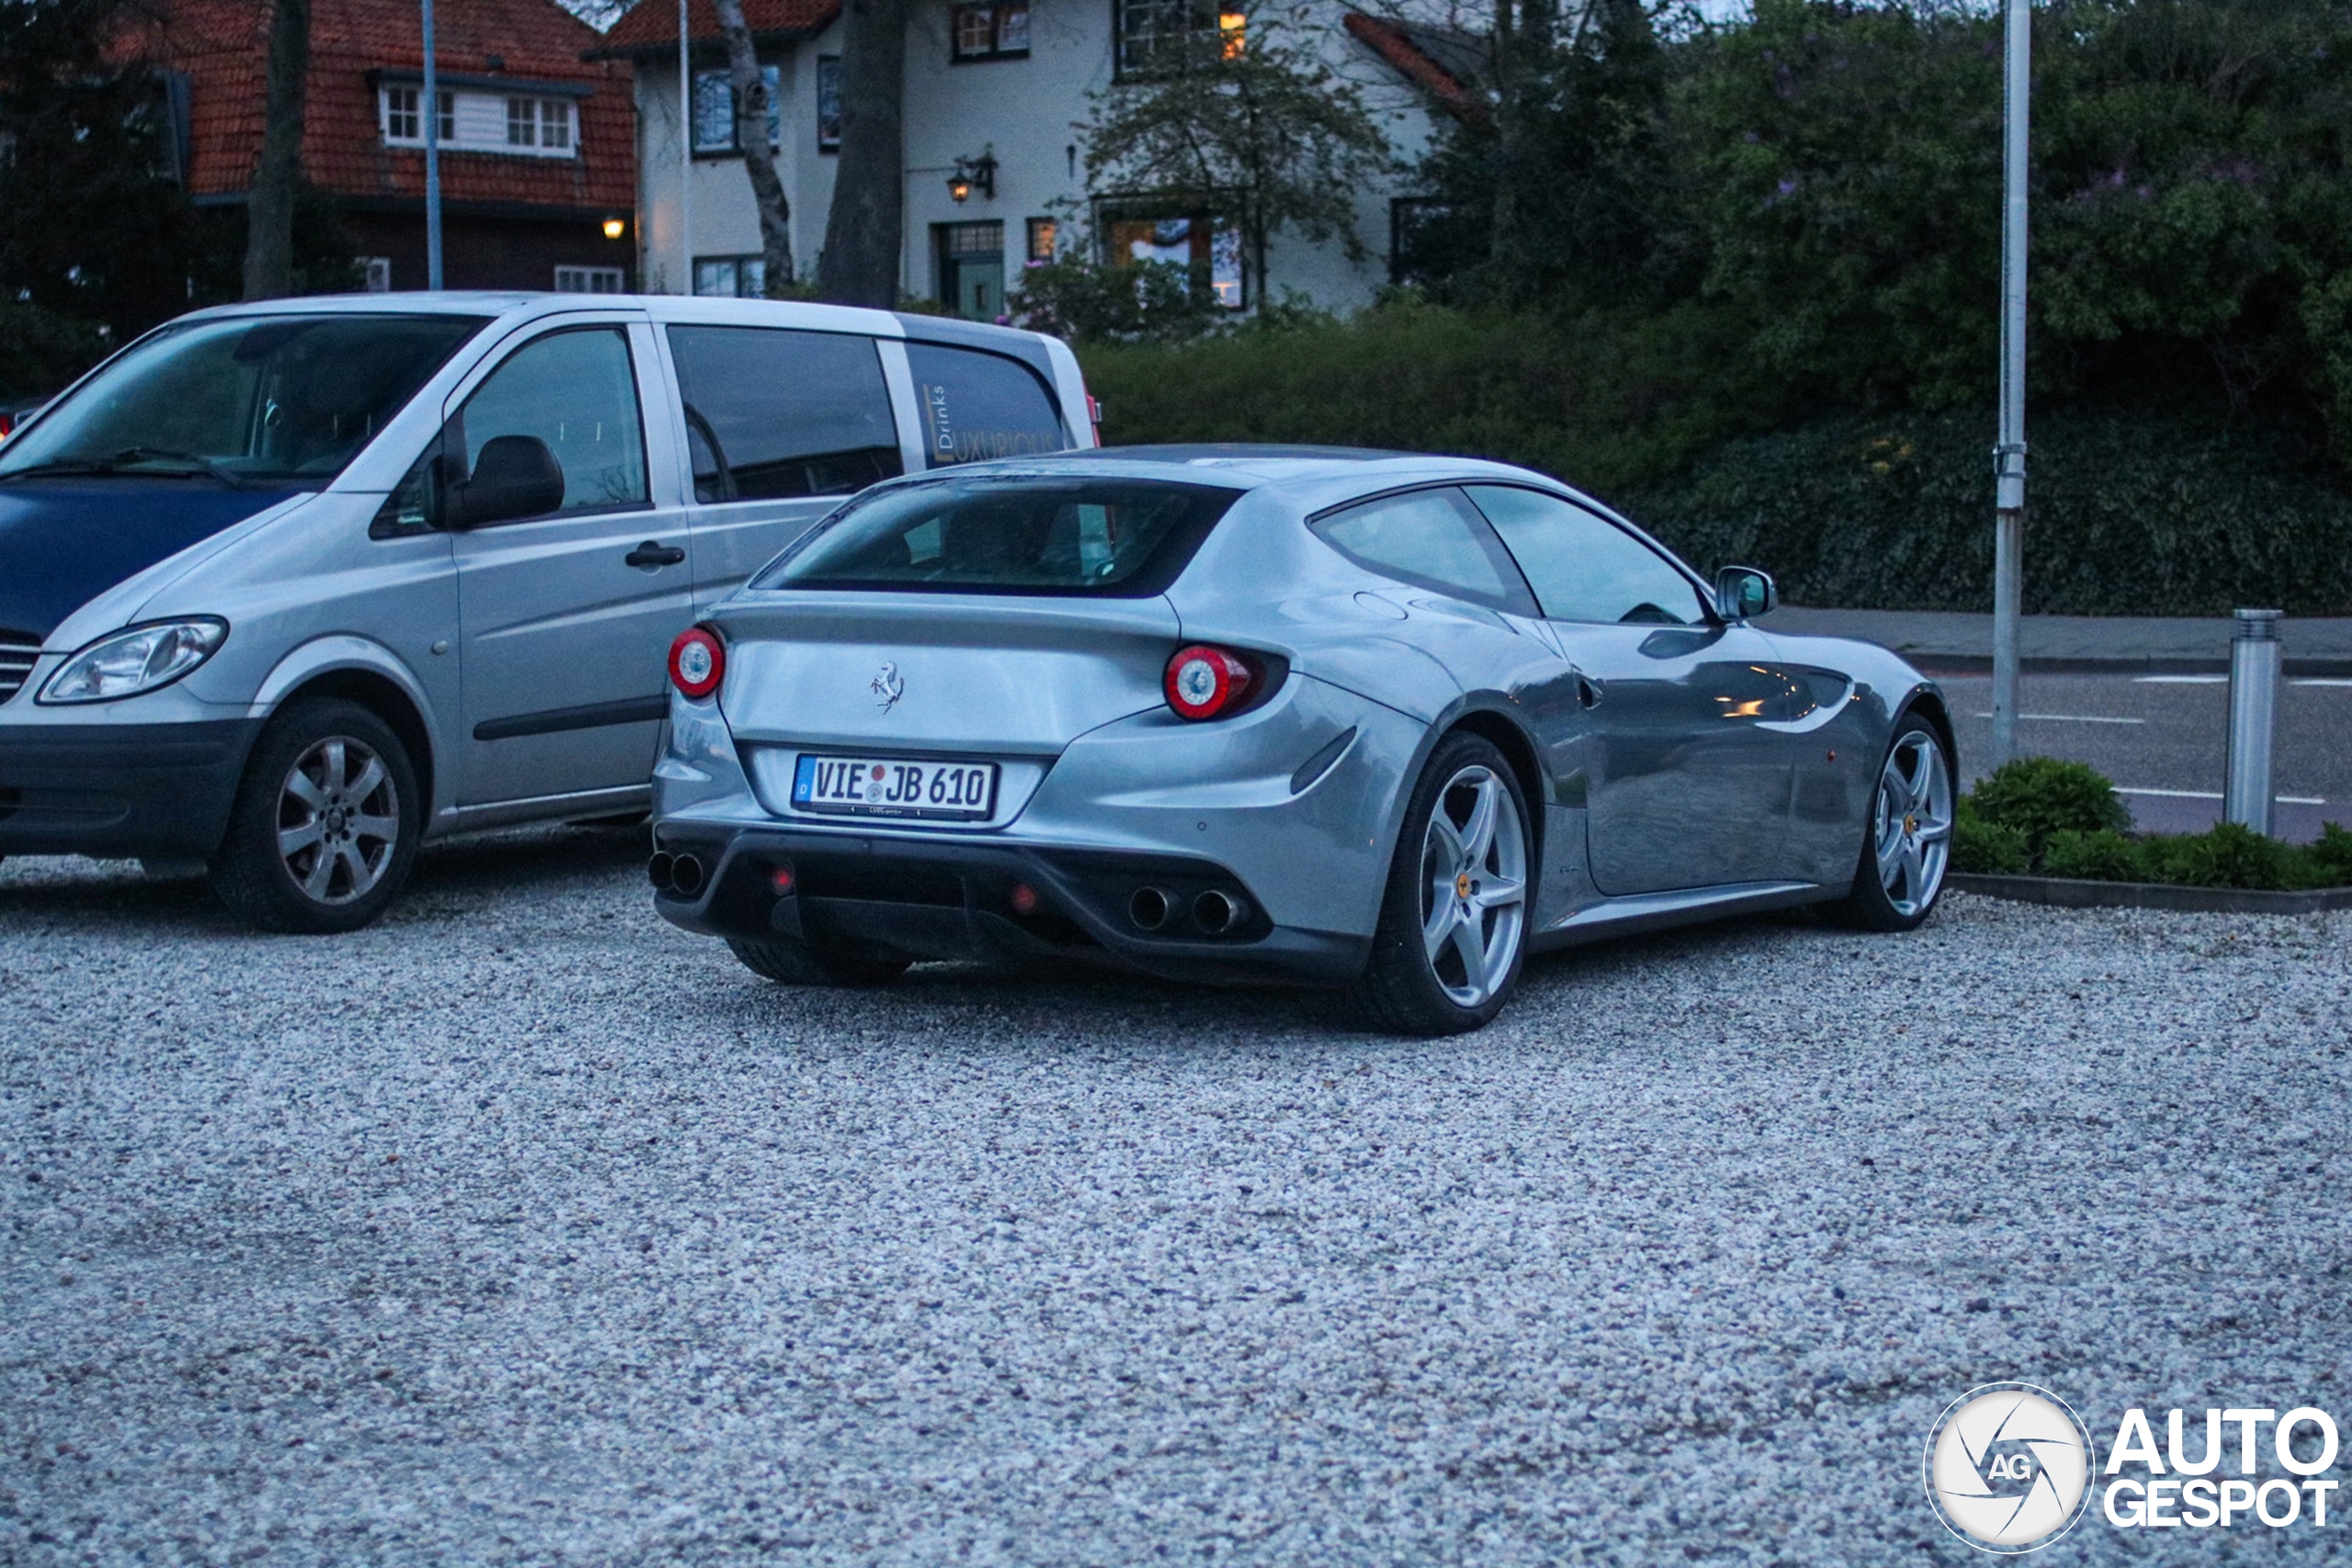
[(284, 399), (1115, 538)]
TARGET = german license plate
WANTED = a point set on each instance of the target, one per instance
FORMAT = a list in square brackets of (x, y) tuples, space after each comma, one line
[(895, 786)]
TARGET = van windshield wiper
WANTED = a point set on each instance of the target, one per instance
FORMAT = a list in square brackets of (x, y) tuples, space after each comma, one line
[(123, 462)]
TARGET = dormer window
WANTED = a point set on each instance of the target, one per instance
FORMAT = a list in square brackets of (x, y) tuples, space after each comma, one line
[(538, 125), (989, 32)]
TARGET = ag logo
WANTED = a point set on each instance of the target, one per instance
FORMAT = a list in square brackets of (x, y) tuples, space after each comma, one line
[(2008, 1467), (890, 685)]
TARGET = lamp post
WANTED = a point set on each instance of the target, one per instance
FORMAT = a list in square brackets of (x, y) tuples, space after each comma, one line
[(2008, 456), (432, 159)]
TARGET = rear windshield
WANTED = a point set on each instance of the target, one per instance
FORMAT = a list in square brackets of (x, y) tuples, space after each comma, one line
[(1115, 538), (245, 398)]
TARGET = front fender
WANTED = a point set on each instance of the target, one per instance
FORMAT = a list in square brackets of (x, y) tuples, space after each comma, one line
[(344, 652)]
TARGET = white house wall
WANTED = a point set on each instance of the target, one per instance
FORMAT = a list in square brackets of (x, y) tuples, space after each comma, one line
[(1024, 111)]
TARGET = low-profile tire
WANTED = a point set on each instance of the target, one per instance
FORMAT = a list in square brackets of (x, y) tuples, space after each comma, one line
[(325, 824), (1452, 929), (797, 963), (1906, 838)]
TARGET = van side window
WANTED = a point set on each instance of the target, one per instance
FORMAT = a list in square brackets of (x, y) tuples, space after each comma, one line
[(772, 412), (978, 405), (576, 392)]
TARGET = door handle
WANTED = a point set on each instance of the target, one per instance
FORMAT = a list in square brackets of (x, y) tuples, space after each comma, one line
[(654, 553)]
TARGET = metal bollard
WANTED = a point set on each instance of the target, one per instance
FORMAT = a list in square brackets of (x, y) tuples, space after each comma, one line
[(2254, 715)]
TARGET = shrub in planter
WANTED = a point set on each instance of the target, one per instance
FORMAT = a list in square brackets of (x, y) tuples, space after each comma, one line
[(1986, 849), (2103, 856), (2229, 855), (2041, 795), (2331, 856)]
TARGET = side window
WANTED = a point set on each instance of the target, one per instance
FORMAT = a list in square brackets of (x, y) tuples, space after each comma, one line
[(1585, 568), (771, 412), (978, 405), (1431, 537), (575, 392), (782, 413)]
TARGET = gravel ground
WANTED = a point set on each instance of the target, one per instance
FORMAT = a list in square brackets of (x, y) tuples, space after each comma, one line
[(526, 1229)]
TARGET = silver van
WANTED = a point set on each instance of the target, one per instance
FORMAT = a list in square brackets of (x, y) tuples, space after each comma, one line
[(287, 588)]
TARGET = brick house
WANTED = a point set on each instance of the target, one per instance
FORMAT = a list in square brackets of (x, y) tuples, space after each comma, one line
[(537, 146)]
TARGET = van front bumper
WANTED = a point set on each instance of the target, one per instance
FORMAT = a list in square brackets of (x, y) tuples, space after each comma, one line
[(120, 790)]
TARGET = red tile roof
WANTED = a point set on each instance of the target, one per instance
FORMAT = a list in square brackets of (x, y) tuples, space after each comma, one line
[(650, 25), (223, 46)]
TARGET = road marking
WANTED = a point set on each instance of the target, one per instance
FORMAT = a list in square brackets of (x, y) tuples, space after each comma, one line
[(2182, 680), (2072, 718), (2321, 680), (2215, 794)]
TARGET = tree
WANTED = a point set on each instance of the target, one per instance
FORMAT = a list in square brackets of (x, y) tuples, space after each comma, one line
[(752, 111), (862, 239), (94, 229), (1262, 134), (270, 207)]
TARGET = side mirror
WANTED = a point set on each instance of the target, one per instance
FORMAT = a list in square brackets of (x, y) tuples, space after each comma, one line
[(1742, 593), (516, 476)]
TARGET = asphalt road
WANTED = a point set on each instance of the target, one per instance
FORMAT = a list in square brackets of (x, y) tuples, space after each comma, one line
[(522, 1229), (2164, 740)]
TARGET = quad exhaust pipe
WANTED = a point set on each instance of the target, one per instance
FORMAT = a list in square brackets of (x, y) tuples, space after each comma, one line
[(680, 875), (1150, 908), (1216, 911)]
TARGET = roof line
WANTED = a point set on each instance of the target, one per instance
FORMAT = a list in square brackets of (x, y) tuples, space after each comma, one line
[(1395, 46)]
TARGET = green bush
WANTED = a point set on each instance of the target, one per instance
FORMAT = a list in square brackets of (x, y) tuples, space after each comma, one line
[(2227, 855), (2102, 856), (1986, 849), (2041, 795), (2331, 857)]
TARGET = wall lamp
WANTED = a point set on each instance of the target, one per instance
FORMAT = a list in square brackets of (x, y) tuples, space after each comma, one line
[(616, 226), (973, 174)]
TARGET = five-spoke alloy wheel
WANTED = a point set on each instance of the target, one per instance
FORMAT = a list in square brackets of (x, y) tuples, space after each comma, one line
[(1907, 847), (325, 823), (1453, 919)]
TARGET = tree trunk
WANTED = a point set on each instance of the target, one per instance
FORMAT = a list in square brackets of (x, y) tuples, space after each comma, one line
[(860, 264), (751, 137), (270, 207)]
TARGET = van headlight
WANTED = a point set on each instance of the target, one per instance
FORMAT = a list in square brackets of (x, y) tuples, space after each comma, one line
[(135, 660)]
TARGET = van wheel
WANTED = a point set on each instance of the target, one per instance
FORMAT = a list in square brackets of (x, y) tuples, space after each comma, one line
[(797, 963), (325, 824)]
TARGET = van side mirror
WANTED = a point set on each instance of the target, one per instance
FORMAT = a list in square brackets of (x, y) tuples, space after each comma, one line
[(1742, 593), (516, 475)]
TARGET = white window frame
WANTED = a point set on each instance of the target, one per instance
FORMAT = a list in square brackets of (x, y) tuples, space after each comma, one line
[(589, 280), (554, 120)]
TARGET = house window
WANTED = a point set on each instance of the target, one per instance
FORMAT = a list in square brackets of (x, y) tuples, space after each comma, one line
[(587, 280), (1210, 246), (731, 277), (971, 267), (829, 103), (539, 122), (1041, 241), (376, 273), (402, 123), (538, 125), (998, 31), (715, 110), (1416, 239), (1159, 36)]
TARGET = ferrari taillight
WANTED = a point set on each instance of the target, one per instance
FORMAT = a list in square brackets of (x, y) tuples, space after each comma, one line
[(1204, 681), (697, 662)]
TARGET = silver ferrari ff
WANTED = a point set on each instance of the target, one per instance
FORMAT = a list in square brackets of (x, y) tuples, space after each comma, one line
[(1350, 718)]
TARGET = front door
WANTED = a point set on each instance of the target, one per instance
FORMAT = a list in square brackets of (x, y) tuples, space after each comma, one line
[(971, 269), (567, 613), (1684, 789)]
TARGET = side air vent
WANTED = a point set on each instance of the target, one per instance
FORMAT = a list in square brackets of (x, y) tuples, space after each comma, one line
[(17, 653)]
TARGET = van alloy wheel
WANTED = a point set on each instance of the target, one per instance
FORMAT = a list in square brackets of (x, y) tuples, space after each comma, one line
[(338, 820)]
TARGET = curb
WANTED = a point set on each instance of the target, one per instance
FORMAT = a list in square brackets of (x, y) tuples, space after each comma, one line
[(2075, 894), (1928, 663)]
